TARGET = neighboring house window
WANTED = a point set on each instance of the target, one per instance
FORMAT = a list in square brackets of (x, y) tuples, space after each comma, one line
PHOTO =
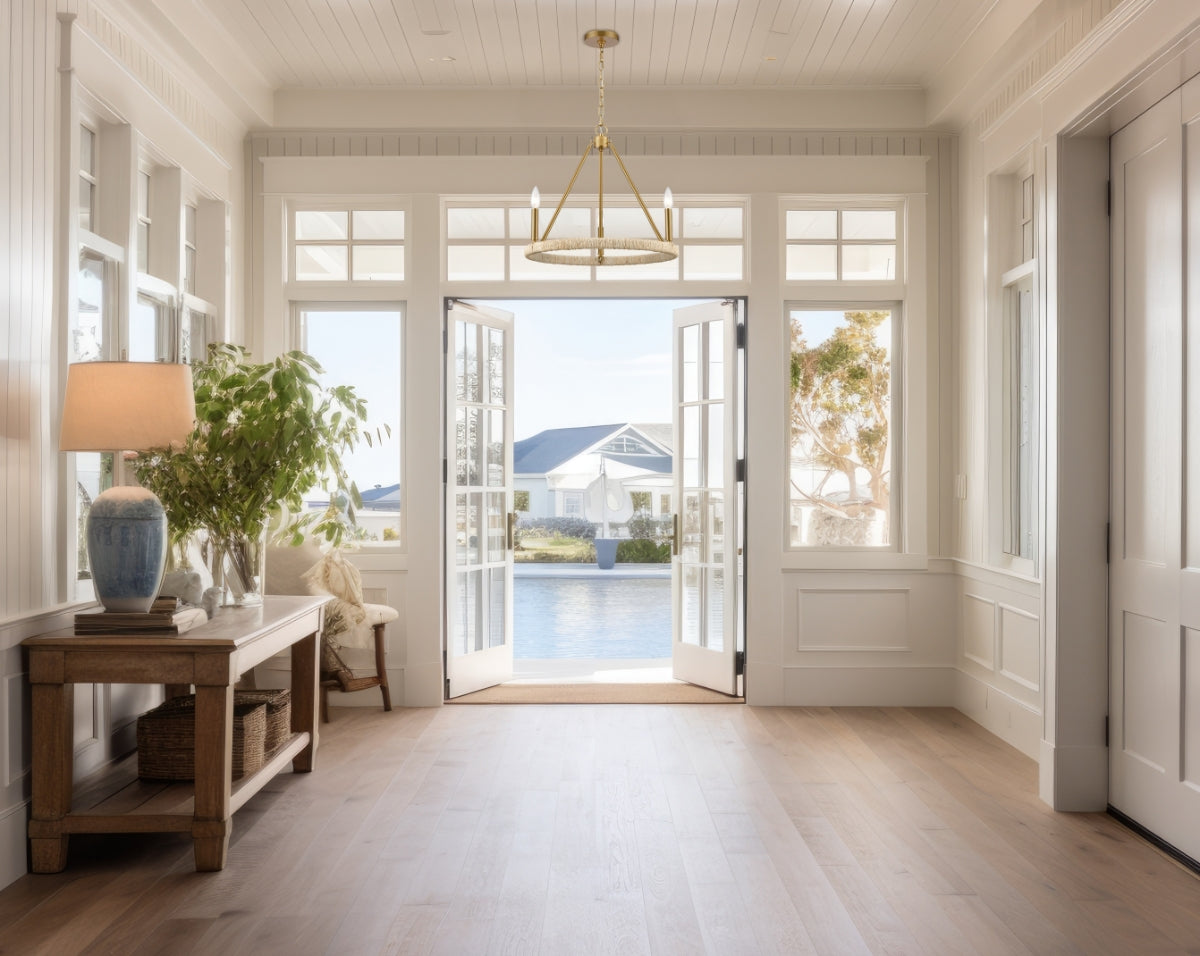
[(337, 335), (664, 504), (627, 445), (486, 242), (341, 245), (572, 504)]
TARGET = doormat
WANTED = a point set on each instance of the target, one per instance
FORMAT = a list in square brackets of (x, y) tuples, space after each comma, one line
[(596, 692)]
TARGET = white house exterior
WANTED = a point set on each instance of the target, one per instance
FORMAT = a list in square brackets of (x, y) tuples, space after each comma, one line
[(557, 466)]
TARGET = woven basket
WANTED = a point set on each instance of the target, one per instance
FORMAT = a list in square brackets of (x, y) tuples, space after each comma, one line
[(279, 714), (166, 740)]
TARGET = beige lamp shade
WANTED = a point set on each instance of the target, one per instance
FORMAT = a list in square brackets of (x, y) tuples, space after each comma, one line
[(126, 406)]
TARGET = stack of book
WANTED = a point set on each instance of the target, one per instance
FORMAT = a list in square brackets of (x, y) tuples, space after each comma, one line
[(166, 616)]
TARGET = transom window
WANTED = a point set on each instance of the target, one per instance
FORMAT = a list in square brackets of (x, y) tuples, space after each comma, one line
[(486, 242), (360, 245), (842, 244)]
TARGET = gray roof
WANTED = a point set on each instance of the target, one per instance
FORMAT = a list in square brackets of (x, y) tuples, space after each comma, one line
[(548, 449)]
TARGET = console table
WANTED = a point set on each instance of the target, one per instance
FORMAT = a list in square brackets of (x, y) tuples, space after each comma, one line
[(211, 658)]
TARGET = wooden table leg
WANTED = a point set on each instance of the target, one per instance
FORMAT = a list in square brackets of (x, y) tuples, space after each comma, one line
[(53, 770), (305, 698), (214, 770)]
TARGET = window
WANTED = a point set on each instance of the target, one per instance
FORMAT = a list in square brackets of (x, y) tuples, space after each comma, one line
[(842, 430), (87, 178), (627, 445), (339, 336), (850, 244), (487, 242), (1020, 383), (143, 222), (572, 503), (339, 245), (189, 249), (152, 330)]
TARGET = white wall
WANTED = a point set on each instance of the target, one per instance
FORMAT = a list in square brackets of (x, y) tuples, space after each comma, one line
[(175, 115)]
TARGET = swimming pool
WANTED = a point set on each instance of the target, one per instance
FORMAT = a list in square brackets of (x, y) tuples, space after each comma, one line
[(578, 611)]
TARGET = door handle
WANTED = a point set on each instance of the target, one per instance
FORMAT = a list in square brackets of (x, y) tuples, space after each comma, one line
[(675, 534), (511, 531)]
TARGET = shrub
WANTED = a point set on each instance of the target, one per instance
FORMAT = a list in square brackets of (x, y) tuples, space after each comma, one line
[(564, 527), (643, 551)]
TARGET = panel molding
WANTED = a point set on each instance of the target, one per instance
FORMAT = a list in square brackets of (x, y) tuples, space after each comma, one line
[(989, 663), (805, 595), (1002, 609)]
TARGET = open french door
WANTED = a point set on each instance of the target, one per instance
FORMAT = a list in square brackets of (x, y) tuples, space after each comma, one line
[(479, 490), (705, 578)]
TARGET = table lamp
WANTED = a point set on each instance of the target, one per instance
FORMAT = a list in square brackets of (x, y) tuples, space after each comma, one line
[(126, 406)]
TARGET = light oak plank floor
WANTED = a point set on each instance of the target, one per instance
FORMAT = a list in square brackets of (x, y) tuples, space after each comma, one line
[(625, 829)]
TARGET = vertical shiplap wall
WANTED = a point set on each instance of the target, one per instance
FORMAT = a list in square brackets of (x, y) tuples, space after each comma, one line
[(27, 459)]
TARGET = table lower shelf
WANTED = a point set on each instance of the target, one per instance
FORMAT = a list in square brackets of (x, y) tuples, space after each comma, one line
[(117, 801)]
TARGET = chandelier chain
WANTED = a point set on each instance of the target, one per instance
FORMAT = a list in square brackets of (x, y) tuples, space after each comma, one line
[(600, 127)]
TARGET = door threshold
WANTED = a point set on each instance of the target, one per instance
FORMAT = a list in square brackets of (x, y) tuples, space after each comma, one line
[(596, 692)]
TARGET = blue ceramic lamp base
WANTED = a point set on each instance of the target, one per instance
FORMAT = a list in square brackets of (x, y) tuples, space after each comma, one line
[(127, 547)]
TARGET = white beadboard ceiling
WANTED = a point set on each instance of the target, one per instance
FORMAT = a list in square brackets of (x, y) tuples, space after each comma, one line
[(338, 44)]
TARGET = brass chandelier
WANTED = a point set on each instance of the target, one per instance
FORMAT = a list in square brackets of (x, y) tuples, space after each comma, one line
[(601, 250)]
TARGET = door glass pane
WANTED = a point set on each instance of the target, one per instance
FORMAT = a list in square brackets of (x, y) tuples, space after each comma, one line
[(473, 386), (496, 526), (691, 531), (690, 620), (691, 363), (690, 452), (468, 635), (496, 607), (716, 360), (474, 527), (495, 366), (495, 448), (714, 528), (473, 447), (715, 472), (460, 446), (461, 529), (714, 631)]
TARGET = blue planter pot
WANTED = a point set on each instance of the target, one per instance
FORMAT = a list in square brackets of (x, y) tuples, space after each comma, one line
[(606, 553), (127, 548)]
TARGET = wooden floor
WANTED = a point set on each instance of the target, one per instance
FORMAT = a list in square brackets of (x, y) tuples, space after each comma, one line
[(631, 829)]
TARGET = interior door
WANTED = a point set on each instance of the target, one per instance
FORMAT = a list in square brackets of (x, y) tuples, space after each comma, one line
[(1154, 626), (705, 579), (479, 498)]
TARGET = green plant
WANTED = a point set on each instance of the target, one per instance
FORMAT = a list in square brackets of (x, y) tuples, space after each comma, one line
[(266, 434), (642, 551)]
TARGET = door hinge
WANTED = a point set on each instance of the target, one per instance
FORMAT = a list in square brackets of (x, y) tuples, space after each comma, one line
[(739, 663), (740, 470), (740, 335)]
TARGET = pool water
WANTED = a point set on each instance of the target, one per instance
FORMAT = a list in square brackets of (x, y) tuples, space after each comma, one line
[(591, 617)]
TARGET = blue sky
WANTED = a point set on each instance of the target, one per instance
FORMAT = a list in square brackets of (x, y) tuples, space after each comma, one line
[(577, 362), (591, 361)]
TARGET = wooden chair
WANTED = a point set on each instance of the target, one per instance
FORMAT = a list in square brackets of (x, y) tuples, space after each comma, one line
[(378, 616), (287, 569)]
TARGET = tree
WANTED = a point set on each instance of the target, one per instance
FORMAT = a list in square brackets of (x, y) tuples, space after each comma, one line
[(841, 391)]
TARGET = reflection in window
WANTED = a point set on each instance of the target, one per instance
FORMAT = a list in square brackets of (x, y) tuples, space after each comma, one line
[(841, 427)]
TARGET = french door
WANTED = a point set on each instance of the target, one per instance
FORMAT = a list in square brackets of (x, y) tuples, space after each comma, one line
[(1154, 599), (706, 567), (479, 513)]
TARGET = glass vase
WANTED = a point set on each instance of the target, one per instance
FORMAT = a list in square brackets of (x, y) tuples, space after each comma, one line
[(239, 569)]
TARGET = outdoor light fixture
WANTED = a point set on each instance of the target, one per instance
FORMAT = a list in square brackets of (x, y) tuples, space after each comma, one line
[(600, 250)]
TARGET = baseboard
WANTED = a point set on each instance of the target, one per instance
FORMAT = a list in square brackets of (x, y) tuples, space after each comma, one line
[(868, 687), (1074, 778), (1012, 720), (14, 859)]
